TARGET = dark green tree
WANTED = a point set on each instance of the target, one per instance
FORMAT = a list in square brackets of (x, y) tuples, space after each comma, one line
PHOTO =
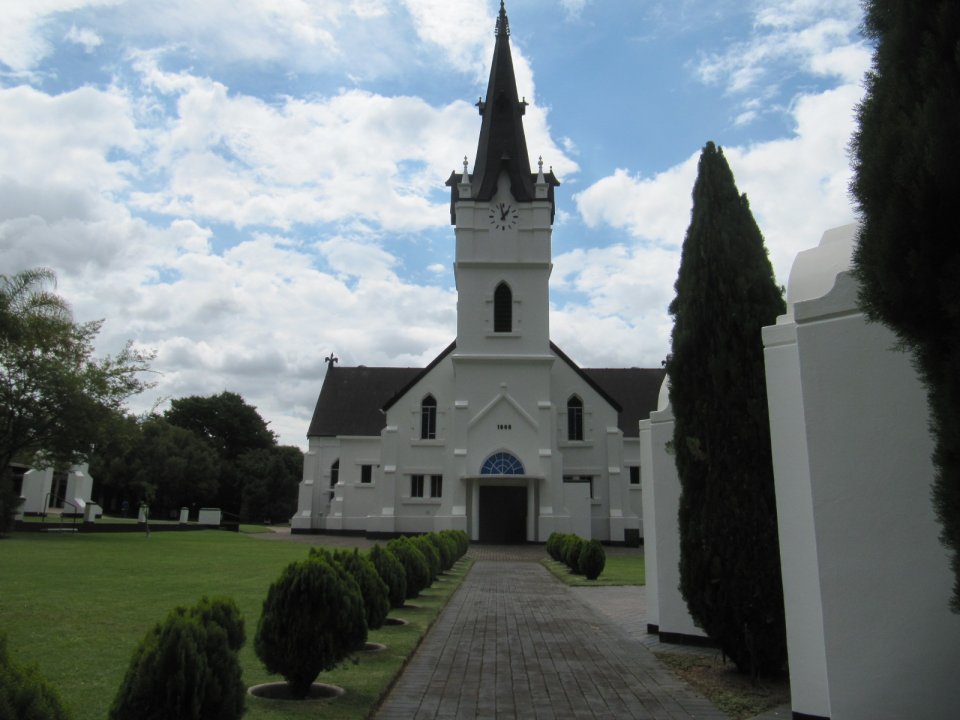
[(270, 478), (54, 394), (231, 427), (906, 184), (171, 468), (729, 549)]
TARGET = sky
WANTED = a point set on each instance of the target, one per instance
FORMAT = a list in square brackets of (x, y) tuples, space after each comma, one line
[(246, 186)]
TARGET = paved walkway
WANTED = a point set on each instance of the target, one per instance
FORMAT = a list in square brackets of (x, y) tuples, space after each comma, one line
[(514, 642)]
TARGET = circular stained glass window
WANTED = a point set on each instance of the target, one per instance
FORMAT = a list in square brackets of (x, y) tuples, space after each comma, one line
[(502, 463)]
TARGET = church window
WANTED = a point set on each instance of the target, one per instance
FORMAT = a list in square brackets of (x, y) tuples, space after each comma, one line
[(366, 474), (416, 486), (428, 418), (634, 474), (502, 309), (334, 473), (574, 418), (436, 486), (502, 463)]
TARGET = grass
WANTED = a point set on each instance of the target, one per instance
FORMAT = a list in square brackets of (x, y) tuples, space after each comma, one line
[(619, 570), (734, 694), (78, 605)]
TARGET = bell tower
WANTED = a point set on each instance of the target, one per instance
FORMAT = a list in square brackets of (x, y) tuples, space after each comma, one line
[(503, 214)]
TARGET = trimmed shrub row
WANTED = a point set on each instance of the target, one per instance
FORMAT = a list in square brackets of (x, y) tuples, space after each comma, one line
[(319, 610), (315, 614), (583, 557)]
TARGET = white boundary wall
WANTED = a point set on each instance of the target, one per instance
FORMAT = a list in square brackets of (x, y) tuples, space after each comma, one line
[(866, 580)]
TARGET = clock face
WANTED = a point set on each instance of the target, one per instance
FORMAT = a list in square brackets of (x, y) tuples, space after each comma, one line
[(503, 216)]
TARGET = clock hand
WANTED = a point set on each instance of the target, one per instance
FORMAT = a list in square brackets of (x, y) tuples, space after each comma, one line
[(503, 212)]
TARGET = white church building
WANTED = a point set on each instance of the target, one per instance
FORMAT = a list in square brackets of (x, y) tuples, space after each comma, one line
[(502, 435)]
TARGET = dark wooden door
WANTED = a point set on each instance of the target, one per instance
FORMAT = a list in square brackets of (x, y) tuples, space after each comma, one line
[(503, 515)]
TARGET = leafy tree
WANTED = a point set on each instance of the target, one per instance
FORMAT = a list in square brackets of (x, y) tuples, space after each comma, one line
[(110, 460), (231, 427), (172, 468), (906, 184), (54, 395), (729, 549), (270, 478)]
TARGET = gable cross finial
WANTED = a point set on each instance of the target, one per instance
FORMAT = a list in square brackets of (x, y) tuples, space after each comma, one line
[(331, 360), (465, 166)]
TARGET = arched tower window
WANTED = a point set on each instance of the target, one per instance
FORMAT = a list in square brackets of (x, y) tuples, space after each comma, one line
[(428, 418), (502, 463), (334, 472), (502, 308), (574, 418)]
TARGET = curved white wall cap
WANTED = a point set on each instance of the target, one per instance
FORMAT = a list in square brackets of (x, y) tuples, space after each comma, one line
[(663, 400), (815, 271)]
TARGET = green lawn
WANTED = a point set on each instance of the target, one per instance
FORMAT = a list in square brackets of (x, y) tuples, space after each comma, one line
[(619, 570), (78, 605)]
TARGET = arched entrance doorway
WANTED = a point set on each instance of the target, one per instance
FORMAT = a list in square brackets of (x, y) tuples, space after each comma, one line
[(503, 501)]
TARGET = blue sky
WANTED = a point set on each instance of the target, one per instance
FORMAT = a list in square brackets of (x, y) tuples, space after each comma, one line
[(247, 186)]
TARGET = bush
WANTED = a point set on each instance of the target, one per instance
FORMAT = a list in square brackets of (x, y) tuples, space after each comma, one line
[(414, 564), (430, 554), (592, 560), (186, 667), (555, 545), (444, 549), (313, 617), (460, 540), (24, 693), (391, 571), (571, 552), (373, 590)]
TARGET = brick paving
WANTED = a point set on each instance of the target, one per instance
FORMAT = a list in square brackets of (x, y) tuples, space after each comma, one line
[(514, 642)]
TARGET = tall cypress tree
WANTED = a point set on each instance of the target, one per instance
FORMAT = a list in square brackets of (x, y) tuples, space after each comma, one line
[(907, 186), (729, 549)]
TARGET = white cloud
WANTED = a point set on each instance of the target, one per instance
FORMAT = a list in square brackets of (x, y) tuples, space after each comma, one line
[(797, 186), (86, 37), (819, 37), (24, 31)]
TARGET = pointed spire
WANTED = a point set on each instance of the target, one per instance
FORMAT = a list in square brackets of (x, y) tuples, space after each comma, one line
[(503, 25), (502, 143)]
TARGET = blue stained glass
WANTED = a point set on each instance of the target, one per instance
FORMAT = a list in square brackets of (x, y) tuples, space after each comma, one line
[(502, 463)]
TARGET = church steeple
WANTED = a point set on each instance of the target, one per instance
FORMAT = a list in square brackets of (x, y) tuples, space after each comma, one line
[(502, 144)]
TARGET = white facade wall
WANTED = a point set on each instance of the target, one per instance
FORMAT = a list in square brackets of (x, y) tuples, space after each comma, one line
[(866, 581)]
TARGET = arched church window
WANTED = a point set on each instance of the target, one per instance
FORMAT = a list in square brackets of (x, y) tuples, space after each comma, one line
[(502, 463), (502, 308), (574, 418), (428, 418), (334, 472)]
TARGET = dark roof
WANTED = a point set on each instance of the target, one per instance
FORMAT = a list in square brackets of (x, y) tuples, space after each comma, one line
[(636, 389), (502, 144), (351, 398)]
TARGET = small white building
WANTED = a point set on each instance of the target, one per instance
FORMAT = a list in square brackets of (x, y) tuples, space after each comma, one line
[(502, 435)]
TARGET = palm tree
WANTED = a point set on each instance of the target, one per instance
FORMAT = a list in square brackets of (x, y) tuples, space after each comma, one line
[(24, 297)]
